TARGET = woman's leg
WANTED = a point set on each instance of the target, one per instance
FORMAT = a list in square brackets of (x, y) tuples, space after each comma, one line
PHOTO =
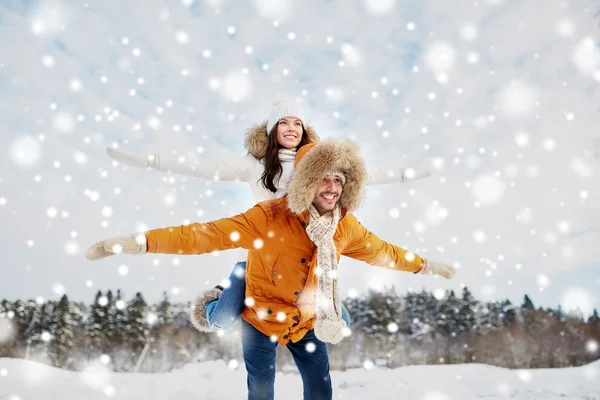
[(218, 309), (346, 316), (224, 312)]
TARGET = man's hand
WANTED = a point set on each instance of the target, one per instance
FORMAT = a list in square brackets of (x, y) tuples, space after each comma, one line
[(133, 244), (139, 160), (435, 268)]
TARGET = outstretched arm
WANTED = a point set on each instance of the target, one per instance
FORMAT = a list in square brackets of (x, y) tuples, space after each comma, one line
[(366, 246), (381, 176), (225, 169), (243, 230)]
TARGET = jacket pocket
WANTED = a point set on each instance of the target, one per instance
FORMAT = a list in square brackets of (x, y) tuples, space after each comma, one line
[(271, 267)]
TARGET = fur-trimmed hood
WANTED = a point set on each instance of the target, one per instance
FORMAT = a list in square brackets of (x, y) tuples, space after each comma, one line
[(313, 161), (257, 137)]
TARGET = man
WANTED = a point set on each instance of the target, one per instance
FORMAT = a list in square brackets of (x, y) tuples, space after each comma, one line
[(294, 245)]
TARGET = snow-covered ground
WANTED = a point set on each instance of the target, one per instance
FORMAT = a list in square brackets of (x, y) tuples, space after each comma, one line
[(26, 380)]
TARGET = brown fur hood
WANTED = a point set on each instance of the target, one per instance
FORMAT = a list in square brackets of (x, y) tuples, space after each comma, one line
[(257, 139), (314, 161)]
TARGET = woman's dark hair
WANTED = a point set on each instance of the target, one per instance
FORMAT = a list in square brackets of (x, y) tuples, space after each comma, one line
[(273, 169)]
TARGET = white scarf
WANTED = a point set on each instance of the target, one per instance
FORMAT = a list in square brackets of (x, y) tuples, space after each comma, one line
[(321, 228), (287, 157)]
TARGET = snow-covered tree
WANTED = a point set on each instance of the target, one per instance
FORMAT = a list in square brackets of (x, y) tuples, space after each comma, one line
[(527, 303), (448, 316), (380, 321), (468, 310), (95, 336), (419, 312), (62, 344), (594, 319), (138, 331), (163, 310)]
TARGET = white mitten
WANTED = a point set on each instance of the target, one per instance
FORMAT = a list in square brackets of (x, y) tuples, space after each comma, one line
[(133, 244), (140, 160), (435, 268)]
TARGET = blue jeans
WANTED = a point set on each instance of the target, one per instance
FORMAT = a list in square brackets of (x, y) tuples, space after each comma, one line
[(223, 313), (259, 357)]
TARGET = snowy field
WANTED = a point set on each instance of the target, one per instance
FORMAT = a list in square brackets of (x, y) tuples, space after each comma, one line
[(26, 380)]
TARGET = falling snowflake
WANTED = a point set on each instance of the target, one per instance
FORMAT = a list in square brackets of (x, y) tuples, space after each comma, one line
[(311, 347), (574, 299), (63, 122), (123, 270), (586, 56), (236, 87), (276, 10), (581, 168), (524, 375), (565, 28), (182, 37), (80, 158), (51, 212), (380, 7), (24, 151), (517, 99), (488, 189), (46, 336), (170, 199), (468, 32), (350, 53), (48, 61), (549, 144), (75, 85), (525, 215), (154, 122), (151, 318), (479, 236), (58, 289), (440, 57)]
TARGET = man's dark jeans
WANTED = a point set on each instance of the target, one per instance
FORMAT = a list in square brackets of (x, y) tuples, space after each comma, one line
[(310, 356)]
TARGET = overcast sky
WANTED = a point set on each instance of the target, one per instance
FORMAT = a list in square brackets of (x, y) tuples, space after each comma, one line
[(501, 95)]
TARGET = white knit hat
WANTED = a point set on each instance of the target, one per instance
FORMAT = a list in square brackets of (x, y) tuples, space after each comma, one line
[(339, 174), (284, 107)]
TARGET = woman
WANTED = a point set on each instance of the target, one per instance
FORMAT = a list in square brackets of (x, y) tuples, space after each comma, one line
[(267, 169)]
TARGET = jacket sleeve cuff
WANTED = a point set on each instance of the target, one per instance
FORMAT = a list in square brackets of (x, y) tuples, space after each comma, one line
[(150, 242), (420, 270)]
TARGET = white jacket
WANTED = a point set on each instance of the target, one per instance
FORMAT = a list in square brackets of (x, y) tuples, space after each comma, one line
[(243, 169), (247, 168)]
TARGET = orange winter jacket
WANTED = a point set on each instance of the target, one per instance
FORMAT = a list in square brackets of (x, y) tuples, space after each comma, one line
[(280, 278)]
